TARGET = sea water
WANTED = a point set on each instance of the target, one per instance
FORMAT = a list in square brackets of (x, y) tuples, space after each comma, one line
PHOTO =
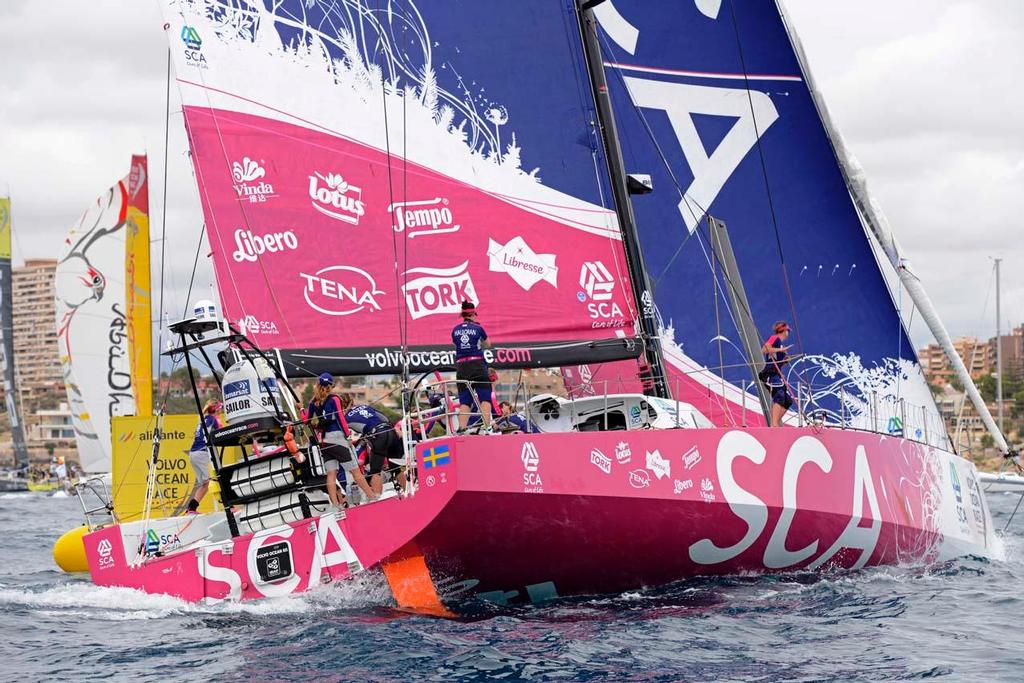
[(957, 621)]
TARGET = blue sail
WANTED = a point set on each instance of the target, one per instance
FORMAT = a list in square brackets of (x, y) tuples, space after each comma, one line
[(712, 101)]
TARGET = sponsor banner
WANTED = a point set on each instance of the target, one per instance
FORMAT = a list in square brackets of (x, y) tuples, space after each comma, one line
[(313, 225), (429, 291), (427, 217), (389, 359), (175, 478)]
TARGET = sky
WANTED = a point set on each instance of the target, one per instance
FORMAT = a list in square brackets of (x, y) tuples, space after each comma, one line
[(925, 95)]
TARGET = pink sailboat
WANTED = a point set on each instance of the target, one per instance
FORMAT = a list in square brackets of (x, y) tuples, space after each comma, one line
[(358, 187)]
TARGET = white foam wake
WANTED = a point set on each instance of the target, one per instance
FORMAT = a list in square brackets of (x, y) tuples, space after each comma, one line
[(121, 604)]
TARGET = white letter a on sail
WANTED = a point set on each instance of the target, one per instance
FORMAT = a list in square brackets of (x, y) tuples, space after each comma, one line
[(754, 113)]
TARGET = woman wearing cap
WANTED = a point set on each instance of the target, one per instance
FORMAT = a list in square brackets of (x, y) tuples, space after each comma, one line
[(328, 416), (775, 357), (470, 340), (199, 453), (386, 450)]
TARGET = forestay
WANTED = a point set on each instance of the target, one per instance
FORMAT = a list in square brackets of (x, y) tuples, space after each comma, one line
[(364, 167)]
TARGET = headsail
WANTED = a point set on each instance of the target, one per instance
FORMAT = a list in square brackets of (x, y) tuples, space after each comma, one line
[(363, 169), (90, 286), (137, 286), (7, 337), (725, 123)]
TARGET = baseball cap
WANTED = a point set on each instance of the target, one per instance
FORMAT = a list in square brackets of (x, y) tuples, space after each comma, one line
[(325, 380)]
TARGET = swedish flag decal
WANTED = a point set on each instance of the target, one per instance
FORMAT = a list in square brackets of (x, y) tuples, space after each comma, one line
[(436, 456)]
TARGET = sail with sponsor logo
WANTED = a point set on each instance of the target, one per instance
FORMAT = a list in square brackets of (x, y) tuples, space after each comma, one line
[(7, 360), (308, 122), (364, 169), (727, 126), (101, 288)]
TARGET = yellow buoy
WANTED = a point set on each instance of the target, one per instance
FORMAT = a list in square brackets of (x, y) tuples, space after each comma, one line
[(69, 551)]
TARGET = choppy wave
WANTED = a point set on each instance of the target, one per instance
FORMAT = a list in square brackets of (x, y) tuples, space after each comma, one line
[(954, 620)]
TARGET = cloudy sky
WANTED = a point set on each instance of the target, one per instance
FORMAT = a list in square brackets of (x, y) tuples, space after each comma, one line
[(925, 94)]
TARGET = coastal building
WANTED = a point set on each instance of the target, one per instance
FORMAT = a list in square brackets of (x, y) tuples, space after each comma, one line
[(53, 425), (978, 356), (37, 358)]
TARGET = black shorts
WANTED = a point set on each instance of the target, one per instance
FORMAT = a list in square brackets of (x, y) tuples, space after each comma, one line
[(384, 446), (780, 396), (472, 371)]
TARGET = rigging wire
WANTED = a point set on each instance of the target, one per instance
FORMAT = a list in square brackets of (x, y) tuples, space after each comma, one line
[(402, 319), (163, 214), (764, 173)]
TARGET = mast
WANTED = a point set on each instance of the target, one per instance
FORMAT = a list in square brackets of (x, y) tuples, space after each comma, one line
[(877, 225), (999, 351), (639, 278), (9, 379)]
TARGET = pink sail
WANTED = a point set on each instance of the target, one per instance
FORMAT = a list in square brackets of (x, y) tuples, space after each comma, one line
[(360, 178)]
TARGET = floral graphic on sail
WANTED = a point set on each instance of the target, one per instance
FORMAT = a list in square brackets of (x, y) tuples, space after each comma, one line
[(336, 198), (243, 173)]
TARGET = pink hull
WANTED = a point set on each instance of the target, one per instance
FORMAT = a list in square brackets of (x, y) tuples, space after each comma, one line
[(531, 516)]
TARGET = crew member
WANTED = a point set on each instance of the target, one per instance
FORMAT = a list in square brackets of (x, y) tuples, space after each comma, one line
[(328, 418), (775, 357), (510, 422), (199, 453), (470, 340), (384, 444)]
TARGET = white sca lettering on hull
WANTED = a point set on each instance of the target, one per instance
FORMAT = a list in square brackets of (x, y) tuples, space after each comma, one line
[(754, 513), (530, 457), (329, 535)]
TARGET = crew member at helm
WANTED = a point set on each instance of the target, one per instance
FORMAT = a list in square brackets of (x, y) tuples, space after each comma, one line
[(470, 340), (510, 422), (199, 453), (328, 417), (775, 357), (384, 444)]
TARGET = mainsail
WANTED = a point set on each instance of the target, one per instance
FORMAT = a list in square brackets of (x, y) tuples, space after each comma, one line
[(365, 167), (7, 338), (725, 123), (97, 318)]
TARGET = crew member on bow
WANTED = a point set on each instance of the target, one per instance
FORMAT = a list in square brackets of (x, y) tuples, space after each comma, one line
[(775, 357), (199, 453), (383, 443), (470, 340), (328, 417)]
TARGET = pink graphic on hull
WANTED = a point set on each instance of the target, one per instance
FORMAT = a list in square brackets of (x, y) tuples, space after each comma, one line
[(543, 514)]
